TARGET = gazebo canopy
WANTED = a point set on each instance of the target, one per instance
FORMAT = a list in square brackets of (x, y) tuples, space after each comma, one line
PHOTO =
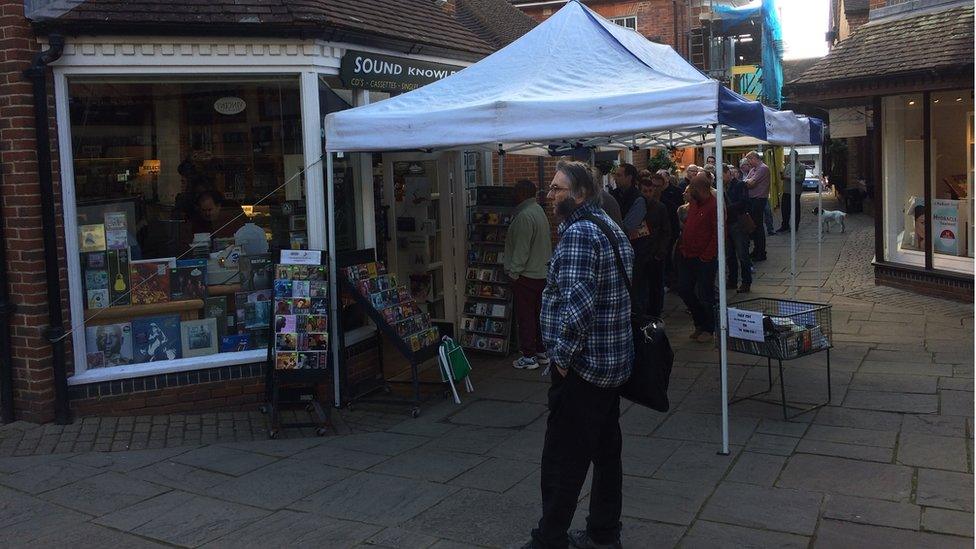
[(573, 77)]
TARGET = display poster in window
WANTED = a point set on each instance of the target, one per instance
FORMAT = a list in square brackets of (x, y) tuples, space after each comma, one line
[(945, 226)]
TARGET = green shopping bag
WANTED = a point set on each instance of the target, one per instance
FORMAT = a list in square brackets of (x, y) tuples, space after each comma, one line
[(454, 366)]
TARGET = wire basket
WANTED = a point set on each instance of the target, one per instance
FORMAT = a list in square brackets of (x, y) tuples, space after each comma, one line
[(791, 329)]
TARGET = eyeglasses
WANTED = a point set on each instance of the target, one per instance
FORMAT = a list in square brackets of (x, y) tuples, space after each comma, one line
[(557, 190)]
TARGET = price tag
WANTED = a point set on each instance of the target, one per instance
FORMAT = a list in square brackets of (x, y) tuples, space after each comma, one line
[(746, 325), (301, 257)]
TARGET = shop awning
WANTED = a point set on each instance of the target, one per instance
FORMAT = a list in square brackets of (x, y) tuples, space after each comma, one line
[(573, 77)]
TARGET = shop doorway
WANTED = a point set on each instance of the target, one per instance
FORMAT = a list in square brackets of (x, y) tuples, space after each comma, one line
[(422, 249)]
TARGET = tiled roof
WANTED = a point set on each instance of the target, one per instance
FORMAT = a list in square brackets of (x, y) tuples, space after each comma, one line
[(932, 42), (854, 6), (474, 26)]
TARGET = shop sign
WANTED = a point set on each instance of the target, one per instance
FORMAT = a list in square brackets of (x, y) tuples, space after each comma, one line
[(371, 71), (230, 105), (746, 324), (848, 122), (945, 226), (301, 257)]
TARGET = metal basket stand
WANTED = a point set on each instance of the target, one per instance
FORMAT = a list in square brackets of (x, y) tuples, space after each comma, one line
[(815, 316)]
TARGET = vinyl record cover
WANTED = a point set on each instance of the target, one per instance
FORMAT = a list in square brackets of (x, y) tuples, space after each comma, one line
[(150, 280), (117, 240), (96, 279), (234, 343), (91, 238), (216, 308), (117, 262), (115, 221), (257, 314), (199, 337), (113, 342), (97, 299), (189, 280), (156, 338)]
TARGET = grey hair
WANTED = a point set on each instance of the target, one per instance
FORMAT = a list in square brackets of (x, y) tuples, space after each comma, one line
[(753, 154), (580, 176)]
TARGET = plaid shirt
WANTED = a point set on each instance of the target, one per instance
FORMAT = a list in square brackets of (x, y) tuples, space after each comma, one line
[(585, 306)]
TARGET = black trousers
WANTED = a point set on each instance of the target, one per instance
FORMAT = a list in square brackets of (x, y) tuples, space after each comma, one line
[(757, 209), (583, 428), (786, 206)]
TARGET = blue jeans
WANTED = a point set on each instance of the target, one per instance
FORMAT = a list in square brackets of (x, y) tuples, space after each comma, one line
[(768, 217)]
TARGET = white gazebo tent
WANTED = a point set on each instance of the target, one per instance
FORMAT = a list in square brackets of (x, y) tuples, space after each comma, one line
[(574, 80)]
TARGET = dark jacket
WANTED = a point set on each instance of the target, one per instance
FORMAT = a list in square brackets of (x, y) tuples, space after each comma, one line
[(736, 200), (672, 200), (659, 223)]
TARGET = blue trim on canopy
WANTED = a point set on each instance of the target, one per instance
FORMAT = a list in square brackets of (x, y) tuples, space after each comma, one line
[(816, 131), (740, 113)]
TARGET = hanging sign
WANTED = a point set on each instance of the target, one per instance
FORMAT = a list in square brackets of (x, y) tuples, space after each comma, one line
[(746, 324), (371, 71), (230, 105)]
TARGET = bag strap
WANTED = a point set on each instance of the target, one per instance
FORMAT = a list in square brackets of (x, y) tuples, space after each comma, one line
[(614, 245)]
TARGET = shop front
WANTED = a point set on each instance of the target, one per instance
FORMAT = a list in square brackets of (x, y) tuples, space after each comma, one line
[(186, 163), (918, 120)]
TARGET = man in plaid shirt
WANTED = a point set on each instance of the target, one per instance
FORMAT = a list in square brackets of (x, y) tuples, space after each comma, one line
[(587, 333)]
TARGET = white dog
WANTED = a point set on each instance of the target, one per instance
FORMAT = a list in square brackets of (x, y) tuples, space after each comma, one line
[(827, 217)]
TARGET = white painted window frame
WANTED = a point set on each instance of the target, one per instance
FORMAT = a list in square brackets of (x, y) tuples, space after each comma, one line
[(622, 21), (181, 56)]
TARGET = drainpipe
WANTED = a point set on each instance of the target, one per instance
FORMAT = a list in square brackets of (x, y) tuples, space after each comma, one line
[(37, 73), (6, 310)]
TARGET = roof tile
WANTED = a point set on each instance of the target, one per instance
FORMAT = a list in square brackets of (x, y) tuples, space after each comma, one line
[(474, 26), (929, 41)]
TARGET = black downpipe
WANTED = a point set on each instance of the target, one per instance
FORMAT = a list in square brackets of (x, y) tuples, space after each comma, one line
[(37, 73), (6, 310)]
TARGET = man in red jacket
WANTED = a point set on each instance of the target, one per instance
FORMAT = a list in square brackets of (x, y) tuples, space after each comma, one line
[(699, 248)]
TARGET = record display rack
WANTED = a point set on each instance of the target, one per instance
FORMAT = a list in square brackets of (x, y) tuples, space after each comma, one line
[(416, 347), (298, 352), (486, 323)]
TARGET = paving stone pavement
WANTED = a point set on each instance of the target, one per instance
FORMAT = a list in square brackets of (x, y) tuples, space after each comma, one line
[(888, 463)]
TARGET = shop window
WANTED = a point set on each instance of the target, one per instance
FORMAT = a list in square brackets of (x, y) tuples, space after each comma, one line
[(182, 187), (951, 229), (903, 161)]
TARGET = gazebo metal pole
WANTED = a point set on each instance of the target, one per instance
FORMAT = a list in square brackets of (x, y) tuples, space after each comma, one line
[(333, 279), (793, 206), (820, 230), (723, 317)]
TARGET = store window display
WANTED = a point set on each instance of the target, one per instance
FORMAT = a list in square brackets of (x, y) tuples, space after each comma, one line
[(952, 179), (903, 162), (182, 187)]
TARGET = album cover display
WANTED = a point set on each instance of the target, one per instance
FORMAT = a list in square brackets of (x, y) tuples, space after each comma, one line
[(199, 337), (156, 338), (394, 303), (486, 324), (150, 280), (109, 345), (301, 322)]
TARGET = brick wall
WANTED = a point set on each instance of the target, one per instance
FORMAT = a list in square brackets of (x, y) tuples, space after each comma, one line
[(21, 211), (655, 18)]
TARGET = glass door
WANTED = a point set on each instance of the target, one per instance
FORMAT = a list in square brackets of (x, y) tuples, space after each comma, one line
[(420, 248)]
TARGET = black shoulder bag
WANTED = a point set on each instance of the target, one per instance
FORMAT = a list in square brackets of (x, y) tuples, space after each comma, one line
[(653, 357)]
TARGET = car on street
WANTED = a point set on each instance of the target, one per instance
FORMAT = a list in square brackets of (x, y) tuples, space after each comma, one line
[(811, 182)]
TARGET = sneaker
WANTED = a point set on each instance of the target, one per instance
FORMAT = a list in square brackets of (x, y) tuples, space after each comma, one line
[(581, 540), (542, 359), (744, 289), (525, 363)]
